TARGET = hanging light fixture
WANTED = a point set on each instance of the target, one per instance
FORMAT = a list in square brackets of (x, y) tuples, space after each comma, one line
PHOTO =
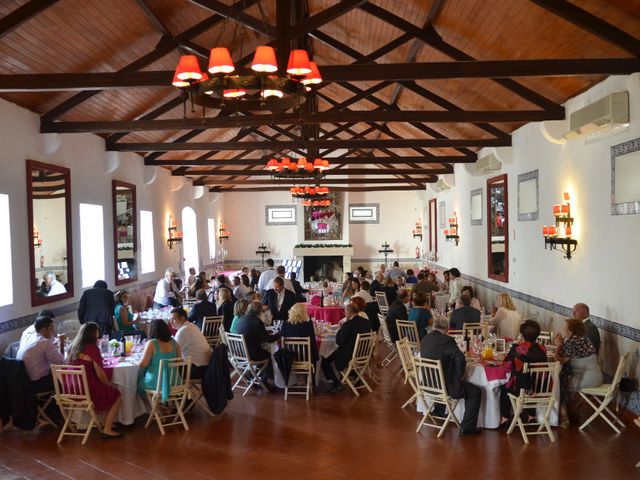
[(299, 168), (220, 61)]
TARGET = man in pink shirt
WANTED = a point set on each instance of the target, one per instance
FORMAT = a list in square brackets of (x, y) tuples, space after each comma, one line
[(39, 353)]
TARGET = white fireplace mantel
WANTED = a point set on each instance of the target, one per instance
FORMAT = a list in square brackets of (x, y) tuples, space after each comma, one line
[(345, 252)]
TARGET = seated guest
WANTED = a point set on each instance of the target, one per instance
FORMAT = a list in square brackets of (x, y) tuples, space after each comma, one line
[(255, 334), (397, 311), (298, 325), (280, 273), (390, 289), (279, 300), (527, 351), (439, 346), (346, 341), (54, 287), (191, 279), (239, 309), (160, 347), (579, 361), (30, 333), (254, 277), (202, 308), (104, 395), (347, 289), (224, 302), (363, 292), (353, 289), (191, 342), (400, 282), (377, 285), (240, 289), (360, 303), (97, 305), (464, 314), (297, 288), (371, 308), (506, 318), (411, 278), (167, 293), (39, 353), (421, 315), (475, 303), (581, 312), (266, 276), (420, 287), (200, 282), (432, 283), (124, 317)]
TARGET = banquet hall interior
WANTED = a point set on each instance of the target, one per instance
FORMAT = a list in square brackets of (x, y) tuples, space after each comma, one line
[(381, 156)]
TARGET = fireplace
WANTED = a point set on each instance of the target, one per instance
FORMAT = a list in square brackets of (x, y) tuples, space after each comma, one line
[(318, 268)]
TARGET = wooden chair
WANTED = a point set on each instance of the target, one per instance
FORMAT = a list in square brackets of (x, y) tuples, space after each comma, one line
[(196, 395), (359, 363), (599, 398), (44, 400), (472, 330), (408, 367), (409, 330), (545, 381), (116, 327), (211, 329), (176, 373), (383, 304), (545, 338), (248, 371), (432, 389), (302, 365), (72, 397), (455, 333), (386, 338)]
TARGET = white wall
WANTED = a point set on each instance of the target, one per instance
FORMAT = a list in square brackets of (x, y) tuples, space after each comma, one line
[(85, 155)]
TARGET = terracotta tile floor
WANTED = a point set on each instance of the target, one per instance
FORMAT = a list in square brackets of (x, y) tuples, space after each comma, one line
[(261, 436)]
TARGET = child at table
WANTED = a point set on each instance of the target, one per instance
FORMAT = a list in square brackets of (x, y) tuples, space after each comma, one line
[(105, 397)]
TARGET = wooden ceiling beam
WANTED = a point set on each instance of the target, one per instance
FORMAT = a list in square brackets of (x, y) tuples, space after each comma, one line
[(592, 24), (325, 16), (233, 14), (23, 14), (319, 144), (329, 173), (362, 160), (372, 188), (327, 182)]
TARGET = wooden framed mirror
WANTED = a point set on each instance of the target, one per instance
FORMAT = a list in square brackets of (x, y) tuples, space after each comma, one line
[(433, 226), (498, 228), (125, 232), (49, 221)]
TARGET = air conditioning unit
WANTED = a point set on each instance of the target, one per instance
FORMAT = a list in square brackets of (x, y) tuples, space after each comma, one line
[(441, 185), (488, 164), (607, 113)]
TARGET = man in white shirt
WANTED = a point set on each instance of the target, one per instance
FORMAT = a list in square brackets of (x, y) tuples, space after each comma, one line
[(280, 272), (364, 292), (266, 276), (55, 287), (166, 291), (192, 343), (455, 286), (239, 289), (30, 333), (39, 353)]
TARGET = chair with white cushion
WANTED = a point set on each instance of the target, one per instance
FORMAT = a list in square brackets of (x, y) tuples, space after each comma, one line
[(359, 363), (432, 389), (599, 398), (300, 347), (409, 330), (405, 353), (249, 372), (386, 337), (544, 382), (211, 329)]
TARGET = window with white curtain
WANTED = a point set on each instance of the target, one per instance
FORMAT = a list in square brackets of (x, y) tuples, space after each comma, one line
[(190, 239), (147, 250), (91, 243), (211, 226), (6, 292)]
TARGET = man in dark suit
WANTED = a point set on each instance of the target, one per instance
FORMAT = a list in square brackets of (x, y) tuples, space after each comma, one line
[(464, 314), (98, 305), (202, 308), (439, 346), (279, 300), (397, 311), (255, 334), (581, 312), (298, 288), (346, 341)]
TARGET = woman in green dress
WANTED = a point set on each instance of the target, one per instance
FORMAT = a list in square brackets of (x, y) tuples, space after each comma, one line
[(161, 346)]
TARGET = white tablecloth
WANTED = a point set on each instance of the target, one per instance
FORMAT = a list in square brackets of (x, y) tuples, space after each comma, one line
[(440, 301), (489, 415), (125, 378)]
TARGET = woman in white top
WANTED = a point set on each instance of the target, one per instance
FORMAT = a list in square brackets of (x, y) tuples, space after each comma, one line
[(506, 318), (475, 303)]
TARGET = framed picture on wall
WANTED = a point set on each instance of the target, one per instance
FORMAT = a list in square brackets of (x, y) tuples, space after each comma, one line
[(364, 213), (625, 178), (280, 215), (442, 216), (528, 196)]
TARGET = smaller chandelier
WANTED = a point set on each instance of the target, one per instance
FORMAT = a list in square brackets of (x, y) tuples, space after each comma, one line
[(297, 168), (309, 193)]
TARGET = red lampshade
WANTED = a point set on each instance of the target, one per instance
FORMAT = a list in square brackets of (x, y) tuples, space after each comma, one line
[(302, 163), (306, 203), (177, 82), (308, 166), (567, 231), (220, 61), (293, 190), (556, 210), (566, 196), (271, 92), (188, 68), (298, 63), (312, 77), (317, 163), (293, 167), (264, 60), (325, 165), (286, 163), (564, 209), (272, 164), (234, 93)]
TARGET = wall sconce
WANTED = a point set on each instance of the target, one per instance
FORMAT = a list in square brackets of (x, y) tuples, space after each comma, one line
[(174, 235), (417, 232), (263, 251), (452, 232), (37, 241), (223, 234), (560, 233)]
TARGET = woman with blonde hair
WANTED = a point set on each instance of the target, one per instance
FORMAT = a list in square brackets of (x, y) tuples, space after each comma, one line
[(224, 302), (298, 325), (506, 318)]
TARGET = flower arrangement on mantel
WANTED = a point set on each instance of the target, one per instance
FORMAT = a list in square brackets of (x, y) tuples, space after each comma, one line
[(323, 245)]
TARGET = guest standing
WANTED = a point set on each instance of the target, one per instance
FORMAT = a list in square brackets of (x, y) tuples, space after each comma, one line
[(266, 276), (297, 288), (455, 286), (97, 305), (279, 300)]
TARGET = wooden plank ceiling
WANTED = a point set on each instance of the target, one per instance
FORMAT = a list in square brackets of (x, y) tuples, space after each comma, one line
[(411, 86)]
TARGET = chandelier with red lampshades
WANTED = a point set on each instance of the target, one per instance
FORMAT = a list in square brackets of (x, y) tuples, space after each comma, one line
[(311, 196), (297, 168), (258, 88)]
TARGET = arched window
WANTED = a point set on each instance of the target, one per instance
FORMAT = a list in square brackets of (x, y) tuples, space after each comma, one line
[(190, 239)]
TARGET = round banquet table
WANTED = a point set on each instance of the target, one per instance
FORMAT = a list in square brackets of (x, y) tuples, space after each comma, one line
[(332, 314), (440, 300), (124, 375), (489, 379)]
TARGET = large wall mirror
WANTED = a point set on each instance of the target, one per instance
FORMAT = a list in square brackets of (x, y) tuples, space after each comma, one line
[(498, 228), (125, 233), (433, 226), (49, 212)]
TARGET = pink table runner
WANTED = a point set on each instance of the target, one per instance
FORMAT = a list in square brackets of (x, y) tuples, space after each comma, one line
[(332, 315)]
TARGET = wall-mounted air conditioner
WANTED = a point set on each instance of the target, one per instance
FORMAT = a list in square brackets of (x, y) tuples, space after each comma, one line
[(605, 114), (488, 164)]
